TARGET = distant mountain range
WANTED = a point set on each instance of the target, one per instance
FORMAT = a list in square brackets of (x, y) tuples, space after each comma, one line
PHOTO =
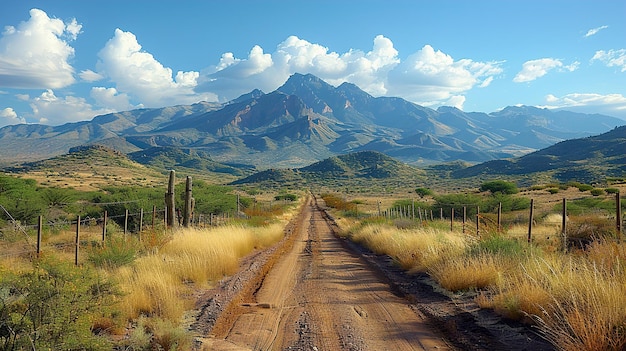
[(304, 121)]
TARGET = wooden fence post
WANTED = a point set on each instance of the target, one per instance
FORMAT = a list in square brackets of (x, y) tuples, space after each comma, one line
[(530, 220), (165, 218), (478, 221), (169, 201), (500, 217), (39, 231), (187, 208), (451, 218), (441, 213), (104, 227), (125, 222), (77, 242), (140, 222)]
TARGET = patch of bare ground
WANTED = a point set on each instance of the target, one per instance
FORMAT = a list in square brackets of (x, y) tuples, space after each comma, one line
[(314, 291)]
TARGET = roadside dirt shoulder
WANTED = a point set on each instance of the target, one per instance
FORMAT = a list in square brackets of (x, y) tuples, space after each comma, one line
[(316, 291)]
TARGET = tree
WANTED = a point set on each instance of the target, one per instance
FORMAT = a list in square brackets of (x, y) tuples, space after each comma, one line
[(423, 192), (499, 186)]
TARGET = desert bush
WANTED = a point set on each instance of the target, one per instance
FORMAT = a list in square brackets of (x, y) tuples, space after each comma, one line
[(116, 252), (499, 186), (421, 192), (288, 197), (597, 192), (52, 307)]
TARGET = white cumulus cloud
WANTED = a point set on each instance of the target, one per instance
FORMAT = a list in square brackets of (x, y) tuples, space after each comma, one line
[(534, 69), (36, 53), (595, 31), (427, 76), (612, 58), (51, 109), (138, 74), (8, 116), (610, 104), (110, 98)]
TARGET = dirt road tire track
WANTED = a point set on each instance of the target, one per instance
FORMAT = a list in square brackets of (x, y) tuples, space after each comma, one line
[(314, 291)]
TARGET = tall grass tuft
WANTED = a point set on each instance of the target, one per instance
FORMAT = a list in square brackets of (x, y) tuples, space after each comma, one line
[(413, 249), (156, 284)]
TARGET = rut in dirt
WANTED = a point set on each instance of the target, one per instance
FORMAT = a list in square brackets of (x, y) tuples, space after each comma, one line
[(317, 294)]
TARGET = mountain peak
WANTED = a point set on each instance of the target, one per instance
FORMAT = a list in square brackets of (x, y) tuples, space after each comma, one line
[(254, 94), (297, 81)]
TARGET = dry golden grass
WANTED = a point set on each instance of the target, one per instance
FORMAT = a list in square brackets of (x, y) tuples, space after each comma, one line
[(414, 249), (158, 283), (576, 299), (464, 272)]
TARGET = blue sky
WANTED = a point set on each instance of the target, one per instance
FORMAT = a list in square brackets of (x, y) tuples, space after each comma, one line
[(65, 61)]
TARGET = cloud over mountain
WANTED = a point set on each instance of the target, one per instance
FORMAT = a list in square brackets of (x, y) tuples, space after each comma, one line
[(139, 74), (427, 77)]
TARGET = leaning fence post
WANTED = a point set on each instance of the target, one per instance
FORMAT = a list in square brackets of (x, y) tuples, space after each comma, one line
[(530, 220), (77, 242), (125, 222), (140, 222), (39, 230)]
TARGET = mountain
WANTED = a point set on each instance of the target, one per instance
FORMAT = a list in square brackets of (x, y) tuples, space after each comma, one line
[(307, 120), (587, 159), (192, 159), (365, 167), (90, 168)]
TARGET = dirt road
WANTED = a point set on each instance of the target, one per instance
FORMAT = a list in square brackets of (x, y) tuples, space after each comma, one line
[(319, 295)]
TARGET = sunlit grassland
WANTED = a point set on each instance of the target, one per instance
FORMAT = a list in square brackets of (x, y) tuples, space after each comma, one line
[(576, 298), (195, 258), (159, 273)]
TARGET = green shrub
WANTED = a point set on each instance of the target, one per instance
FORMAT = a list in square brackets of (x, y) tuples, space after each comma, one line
[(499, 186), (288, 197), (421, 192), (117, 252), (498, 245), (597, 192), (52, 308)]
